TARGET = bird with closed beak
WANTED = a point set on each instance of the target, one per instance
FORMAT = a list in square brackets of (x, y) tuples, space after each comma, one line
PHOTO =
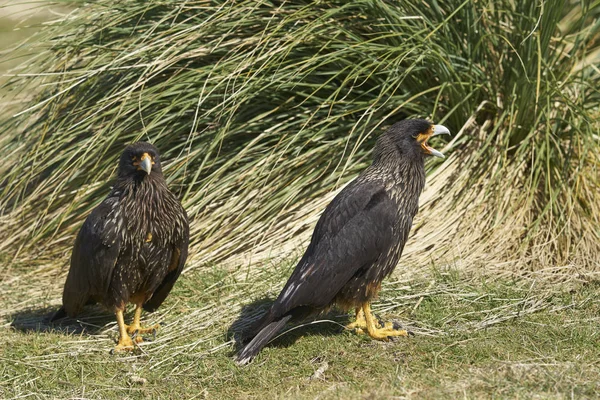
[(357, 241), (131, 248)]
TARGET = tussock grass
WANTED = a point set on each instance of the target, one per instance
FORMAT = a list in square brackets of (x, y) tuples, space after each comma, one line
[(263, 110)]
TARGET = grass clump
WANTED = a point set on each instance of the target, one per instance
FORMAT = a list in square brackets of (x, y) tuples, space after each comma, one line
[(263, 109)]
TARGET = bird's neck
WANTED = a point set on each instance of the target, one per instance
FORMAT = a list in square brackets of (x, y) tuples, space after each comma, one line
[(140, 180), (403, 178), (147, 189)]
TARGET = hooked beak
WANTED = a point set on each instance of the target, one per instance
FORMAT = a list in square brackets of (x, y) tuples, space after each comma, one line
[(434, 131), (146, 163)]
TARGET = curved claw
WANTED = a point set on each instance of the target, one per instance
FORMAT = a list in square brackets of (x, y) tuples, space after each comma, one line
[(125, 344), (383, 333)]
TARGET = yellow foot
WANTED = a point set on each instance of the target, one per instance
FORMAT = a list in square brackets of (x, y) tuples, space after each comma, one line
[(125, 344), (360, 328), (137, 328), (357, 325), (360, 322), (373, 329), (387, 332)]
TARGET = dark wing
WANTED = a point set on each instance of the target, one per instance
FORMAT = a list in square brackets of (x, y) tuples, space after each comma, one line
[(179, 256), (94, 256), (355, 230)]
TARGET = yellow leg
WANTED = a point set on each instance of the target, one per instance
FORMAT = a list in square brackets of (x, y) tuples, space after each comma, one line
[(125, 342), (136, 327), (380, 333), (360, 323)]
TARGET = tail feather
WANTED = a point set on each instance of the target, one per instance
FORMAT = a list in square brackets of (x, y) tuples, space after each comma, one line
[(61, 313), (260, 340), (73, 309)]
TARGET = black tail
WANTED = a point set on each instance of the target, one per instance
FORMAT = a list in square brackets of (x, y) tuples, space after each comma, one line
[(260, 340), (61, 313)]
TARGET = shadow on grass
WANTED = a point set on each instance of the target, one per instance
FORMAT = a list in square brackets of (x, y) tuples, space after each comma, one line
[(92, 321), (327, 324)]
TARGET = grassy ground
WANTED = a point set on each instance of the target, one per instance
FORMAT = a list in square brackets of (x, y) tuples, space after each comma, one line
[(483, 329), (474, 338)]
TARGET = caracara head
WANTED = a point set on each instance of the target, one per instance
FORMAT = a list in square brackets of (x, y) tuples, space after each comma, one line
[(139, 160), (409, 138)]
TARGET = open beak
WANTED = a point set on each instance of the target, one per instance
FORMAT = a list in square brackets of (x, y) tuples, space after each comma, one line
[(146, 163), (434, 131)]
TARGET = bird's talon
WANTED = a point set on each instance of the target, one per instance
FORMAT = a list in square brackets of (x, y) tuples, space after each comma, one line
[(139, 330), (385, 334), (125, 344)]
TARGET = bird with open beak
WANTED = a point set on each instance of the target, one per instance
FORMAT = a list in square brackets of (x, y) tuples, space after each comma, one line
[(358, 239), (131, 248)]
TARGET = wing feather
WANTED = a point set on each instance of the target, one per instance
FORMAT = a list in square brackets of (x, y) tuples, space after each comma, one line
[(180, 253), (94, 256), (354, 231)]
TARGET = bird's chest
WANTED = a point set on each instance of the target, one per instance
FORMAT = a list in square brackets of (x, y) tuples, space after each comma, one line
[(152, 244), (153, 258), (147, 223), (148, 234)]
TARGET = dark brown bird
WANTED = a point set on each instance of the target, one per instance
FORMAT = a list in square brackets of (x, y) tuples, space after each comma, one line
[(358, 240), (131, 248)]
